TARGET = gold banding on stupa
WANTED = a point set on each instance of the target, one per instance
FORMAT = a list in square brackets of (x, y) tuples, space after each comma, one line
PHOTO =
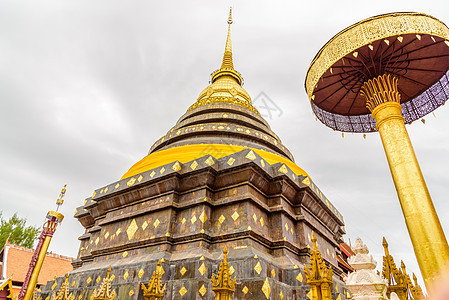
[(379, 74)]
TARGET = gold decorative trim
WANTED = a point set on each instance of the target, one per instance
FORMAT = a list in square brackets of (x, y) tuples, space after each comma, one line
[(213, 100), (364, 33)]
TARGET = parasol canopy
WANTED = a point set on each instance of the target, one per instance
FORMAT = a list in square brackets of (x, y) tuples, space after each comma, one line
[(414, 47)]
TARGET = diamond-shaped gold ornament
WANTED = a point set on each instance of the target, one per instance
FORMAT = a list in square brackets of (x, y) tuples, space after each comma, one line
[(117, 185), (162, 170), (251, 155), (176, 167), (132, 228), (299, 277), (131, 181), (309, 294), (98, 279), (125, 275), (152, 174), (221, 219), (254, 218), (281, 295), (88, 280), (183, 291), (202, 258), (141, 272), (266, 289), (245, 290), (262, 221), (231, 161), (131, 293), (203, 217), (73, 283), (156, 223), (235, 216), (183, 221), (144, 225), (97, 240), (106, 235), (194, 165), (138, 179), (202, 290), (125, 254), (283, 169), (231, 270), (273, 273), (193, 219), (183, 271), (258, 268), (202, 269), (286, 226), (209, 161), (118, 231)]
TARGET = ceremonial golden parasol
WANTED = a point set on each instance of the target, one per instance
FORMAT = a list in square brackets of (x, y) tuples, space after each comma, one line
[(377, 75)]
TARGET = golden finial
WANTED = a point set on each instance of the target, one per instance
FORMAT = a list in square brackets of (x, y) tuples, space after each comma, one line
[(63, 293), (155, 290), (318, 275), (104, 291), (60, 201), (230, 16), (223, 286)]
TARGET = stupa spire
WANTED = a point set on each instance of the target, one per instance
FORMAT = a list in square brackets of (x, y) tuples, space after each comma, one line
[(227, 65), (227, 57)]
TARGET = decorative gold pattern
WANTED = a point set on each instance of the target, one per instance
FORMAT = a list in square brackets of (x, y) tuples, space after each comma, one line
[(104, 291), (203, 217), (125, 254), (118, 231), (266, 289), (365, 33), (156, 223), (152, 174), (283, 169), (262, 221), (138, 179), (131, 293), (231, 161), (89, 280), (251, 155), (379, 90), (183, 221), (55, 284), (125, 275), (221, 219), (176, 167), (141, 272), (183, 291), (162, 170), (235, 216), (209, 161), (132, 228), (202, 269), (231, 270), (98, 279), (245, 290), (254, 218), (299, 277), (258, 268), (273, 273), (193, 219), (232, 100), (194, 165), (106, 235), (155, 290), (144, 225), (131, 181), (223, 285), (202, 290), (183, 271)]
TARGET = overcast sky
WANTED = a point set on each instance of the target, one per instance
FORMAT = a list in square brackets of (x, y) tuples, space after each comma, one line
[(86, 87)]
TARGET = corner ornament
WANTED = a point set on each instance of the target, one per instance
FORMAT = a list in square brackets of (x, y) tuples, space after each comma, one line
[(155, 290), (104, 291), (223, 286), (319, 277)]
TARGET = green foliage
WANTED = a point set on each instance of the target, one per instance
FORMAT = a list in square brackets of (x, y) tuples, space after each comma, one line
[(18, 232)]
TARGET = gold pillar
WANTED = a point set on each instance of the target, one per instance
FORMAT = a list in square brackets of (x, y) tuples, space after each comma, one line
[(34, 276), (429, 243)]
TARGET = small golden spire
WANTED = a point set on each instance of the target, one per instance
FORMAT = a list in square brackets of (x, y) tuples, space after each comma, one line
[(223, 286), (104, 291), (155, 290), (227, 66), (63, 293)]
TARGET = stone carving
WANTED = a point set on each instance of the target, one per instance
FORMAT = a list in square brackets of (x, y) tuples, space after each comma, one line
[(364, 283)]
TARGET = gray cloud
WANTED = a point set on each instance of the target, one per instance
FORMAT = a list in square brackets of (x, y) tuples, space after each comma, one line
[(86, 88)]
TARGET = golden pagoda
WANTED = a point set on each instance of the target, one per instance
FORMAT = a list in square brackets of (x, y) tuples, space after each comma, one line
[(219, 178)]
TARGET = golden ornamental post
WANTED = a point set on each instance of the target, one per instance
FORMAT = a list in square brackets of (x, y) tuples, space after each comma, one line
[(155, 290), (379, 74), (49, 228), (223, 285)]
